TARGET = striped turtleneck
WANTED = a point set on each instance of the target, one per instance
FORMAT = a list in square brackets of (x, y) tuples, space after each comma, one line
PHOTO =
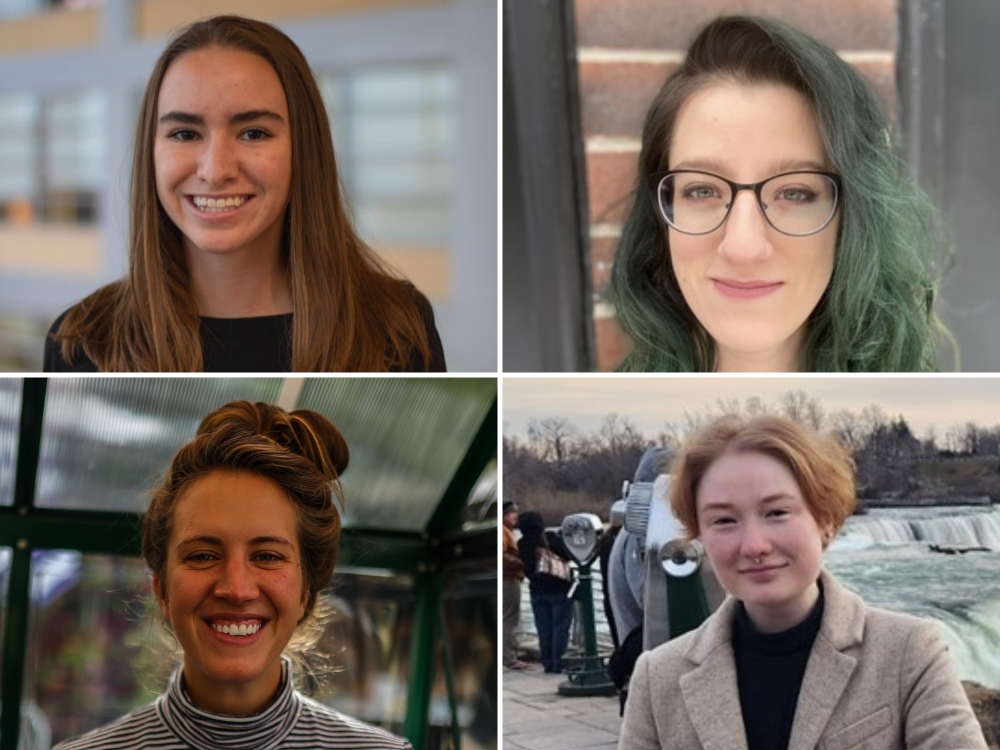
[(172, 722)]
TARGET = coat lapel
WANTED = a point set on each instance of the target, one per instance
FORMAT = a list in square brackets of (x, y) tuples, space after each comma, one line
[(709, 691), (829, 669)]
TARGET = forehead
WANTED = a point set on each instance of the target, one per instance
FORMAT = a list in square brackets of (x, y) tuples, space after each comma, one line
[(744, 477), (217, 82), (234, 507), (747, 131)]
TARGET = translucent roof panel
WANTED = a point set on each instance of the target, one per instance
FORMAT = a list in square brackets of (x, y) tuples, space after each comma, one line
[(407, 437), (10, 421), (105, 441)]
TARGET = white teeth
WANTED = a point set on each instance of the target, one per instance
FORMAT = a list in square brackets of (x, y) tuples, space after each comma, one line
[(237, 630), (214, 205)]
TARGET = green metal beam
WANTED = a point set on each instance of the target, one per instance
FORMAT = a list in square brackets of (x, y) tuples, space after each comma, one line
[(420, 679), (92, 532), (455, 498), (15, 637), (449, 676)]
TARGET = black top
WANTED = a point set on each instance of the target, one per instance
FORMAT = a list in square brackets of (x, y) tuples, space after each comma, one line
[(261, 344), (533, 536), (769, 672)]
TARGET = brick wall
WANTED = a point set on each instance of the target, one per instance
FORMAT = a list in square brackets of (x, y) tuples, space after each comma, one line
[(625, 50)]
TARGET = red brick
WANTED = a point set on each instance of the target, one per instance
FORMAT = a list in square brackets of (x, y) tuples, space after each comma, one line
[(614, 97), (611, 181), (612, 344), (672, 24), (602, 250)]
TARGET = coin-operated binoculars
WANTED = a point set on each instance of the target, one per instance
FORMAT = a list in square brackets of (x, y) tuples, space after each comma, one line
[(587, 673), (680, 588)]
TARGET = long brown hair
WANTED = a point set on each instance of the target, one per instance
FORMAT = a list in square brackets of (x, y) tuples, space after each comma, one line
[(351, 313), (302, 452)]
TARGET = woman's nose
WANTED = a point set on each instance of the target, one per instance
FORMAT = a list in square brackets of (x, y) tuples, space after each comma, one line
[(746, 232), (237, 582), (755, 542), (217, 162)]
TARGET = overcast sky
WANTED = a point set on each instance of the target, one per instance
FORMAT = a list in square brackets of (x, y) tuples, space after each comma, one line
[(649, 403)]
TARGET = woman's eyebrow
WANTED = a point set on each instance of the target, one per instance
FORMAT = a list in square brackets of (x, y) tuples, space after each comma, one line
[(186, 118), (775, 167)]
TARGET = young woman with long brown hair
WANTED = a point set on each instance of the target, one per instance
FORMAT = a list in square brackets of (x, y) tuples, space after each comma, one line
[(242, 256)]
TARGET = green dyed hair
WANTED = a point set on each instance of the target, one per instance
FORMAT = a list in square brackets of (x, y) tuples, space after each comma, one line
[(877, 313)]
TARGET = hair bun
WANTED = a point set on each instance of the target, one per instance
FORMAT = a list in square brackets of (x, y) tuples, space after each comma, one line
[(303, 431)]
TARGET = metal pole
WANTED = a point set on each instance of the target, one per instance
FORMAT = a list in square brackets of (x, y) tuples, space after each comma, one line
[(422, 648)]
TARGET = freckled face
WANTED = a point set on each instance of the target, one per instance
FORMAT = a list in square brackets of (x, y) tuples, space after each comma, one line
[(764, 544), (249, 159), (748, 134), (233, 558)]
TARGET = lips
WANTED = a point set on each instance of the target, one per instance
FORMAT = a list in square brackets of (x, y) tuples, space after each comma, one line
[(738, 289)]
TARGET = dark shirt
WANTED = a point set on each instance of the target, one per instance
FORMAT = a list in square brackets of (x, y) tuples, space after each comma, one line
[(261, 344), (769, 672)]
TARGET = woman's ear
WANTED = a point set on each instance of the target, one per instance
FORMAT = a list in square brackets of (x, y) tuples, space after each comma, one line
[(160, 598)]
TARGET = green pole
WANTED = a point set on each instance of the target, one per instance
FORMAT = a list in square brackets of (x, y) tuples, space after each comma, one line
[(15, 638), (449, 677), (421, 673)]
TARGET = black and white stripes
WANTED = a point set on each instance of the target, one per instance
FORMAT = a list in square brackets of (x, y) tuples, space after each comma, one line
[(172, 722)]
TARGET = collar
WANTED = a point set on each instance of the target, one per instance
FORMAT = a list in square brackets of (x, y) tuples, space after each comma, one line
[(202, 730)]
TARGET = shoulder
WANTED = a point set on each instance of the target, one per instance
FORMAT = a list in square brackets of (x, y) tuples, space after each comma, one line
[(337, 730), (141, 728), (53, 360), (437, 363)]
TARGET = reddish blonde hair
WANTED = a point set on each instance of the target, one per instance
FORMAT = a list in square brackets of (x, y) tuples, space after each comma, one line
[(823, 468)]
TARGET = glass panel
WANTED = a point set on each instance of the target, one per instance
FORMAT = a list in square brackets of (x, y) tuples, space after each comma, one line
[(87, 662), (369, 640), (393, 127), (10, 423), (20, 115), (470, 617), (5, 553), (407, 437), (105, 441)]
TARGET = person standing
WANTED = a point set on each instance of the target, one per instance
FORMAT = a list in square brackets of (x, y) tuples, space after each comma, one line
[(513, 574), (550, 602)]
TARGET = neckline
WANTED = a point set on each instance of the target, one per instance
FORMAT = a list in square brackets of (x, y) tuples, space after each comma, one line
[(254, 317), (203, 730)]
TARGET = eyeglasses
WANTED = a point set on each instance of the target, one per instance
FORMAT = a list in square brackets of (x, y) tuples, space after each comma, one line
[(794, 203)]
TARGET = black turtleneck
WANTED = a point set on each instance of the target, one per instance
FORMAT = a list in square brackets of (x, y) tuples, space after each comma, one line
[(769, 672)]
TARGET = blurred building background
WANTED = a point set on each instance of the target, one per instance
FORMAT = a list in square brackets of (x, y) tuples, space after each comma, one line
[(570, 157), (410, 86)]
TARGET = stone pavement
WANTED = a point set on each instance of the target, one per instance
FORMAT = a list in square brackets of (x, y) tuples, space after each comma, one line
[(536, 717)]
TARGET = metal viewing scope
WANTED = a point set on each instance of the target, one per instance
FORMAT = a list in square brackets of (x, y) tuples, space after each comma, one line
[(580, 532), (681, 589)]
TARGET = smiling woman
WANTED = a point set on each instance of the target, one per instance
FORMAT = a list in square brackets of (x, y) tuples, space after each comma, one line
[(775, 228), (241, 253), (791, 659), (241, 536)]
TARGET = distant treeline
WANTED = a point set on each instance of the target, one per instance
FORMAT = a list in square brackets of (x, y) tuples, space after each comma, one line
[(559, 469)]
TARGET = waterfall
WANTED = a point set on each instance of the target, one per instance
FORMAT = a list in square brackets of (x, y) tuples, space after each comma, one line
[(973, 637), (959, 527)]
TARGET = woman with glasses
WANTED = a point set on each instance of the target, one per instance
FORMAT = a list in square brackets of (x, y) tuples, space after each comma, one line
[(791, 659), (242, 257), (774, 228), (241, 537)]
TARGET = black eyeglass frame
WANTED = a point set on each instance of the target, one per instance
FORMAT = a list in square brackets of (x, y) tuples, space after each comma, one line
[(656, 180)]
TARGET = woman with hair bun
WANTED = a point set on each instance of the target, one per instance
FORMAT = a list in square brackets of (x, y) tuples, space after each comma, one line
[(241, 536), (792, 659), (775, 227), (242, 255)]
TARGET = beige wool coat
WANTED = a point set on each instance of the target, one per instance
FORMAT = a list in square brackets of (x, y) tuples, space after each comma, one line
[(875, 680)]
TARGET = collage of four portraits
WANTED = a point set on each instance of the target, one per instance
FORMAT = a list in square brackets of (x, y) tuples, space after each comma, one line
[(579, 373)]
